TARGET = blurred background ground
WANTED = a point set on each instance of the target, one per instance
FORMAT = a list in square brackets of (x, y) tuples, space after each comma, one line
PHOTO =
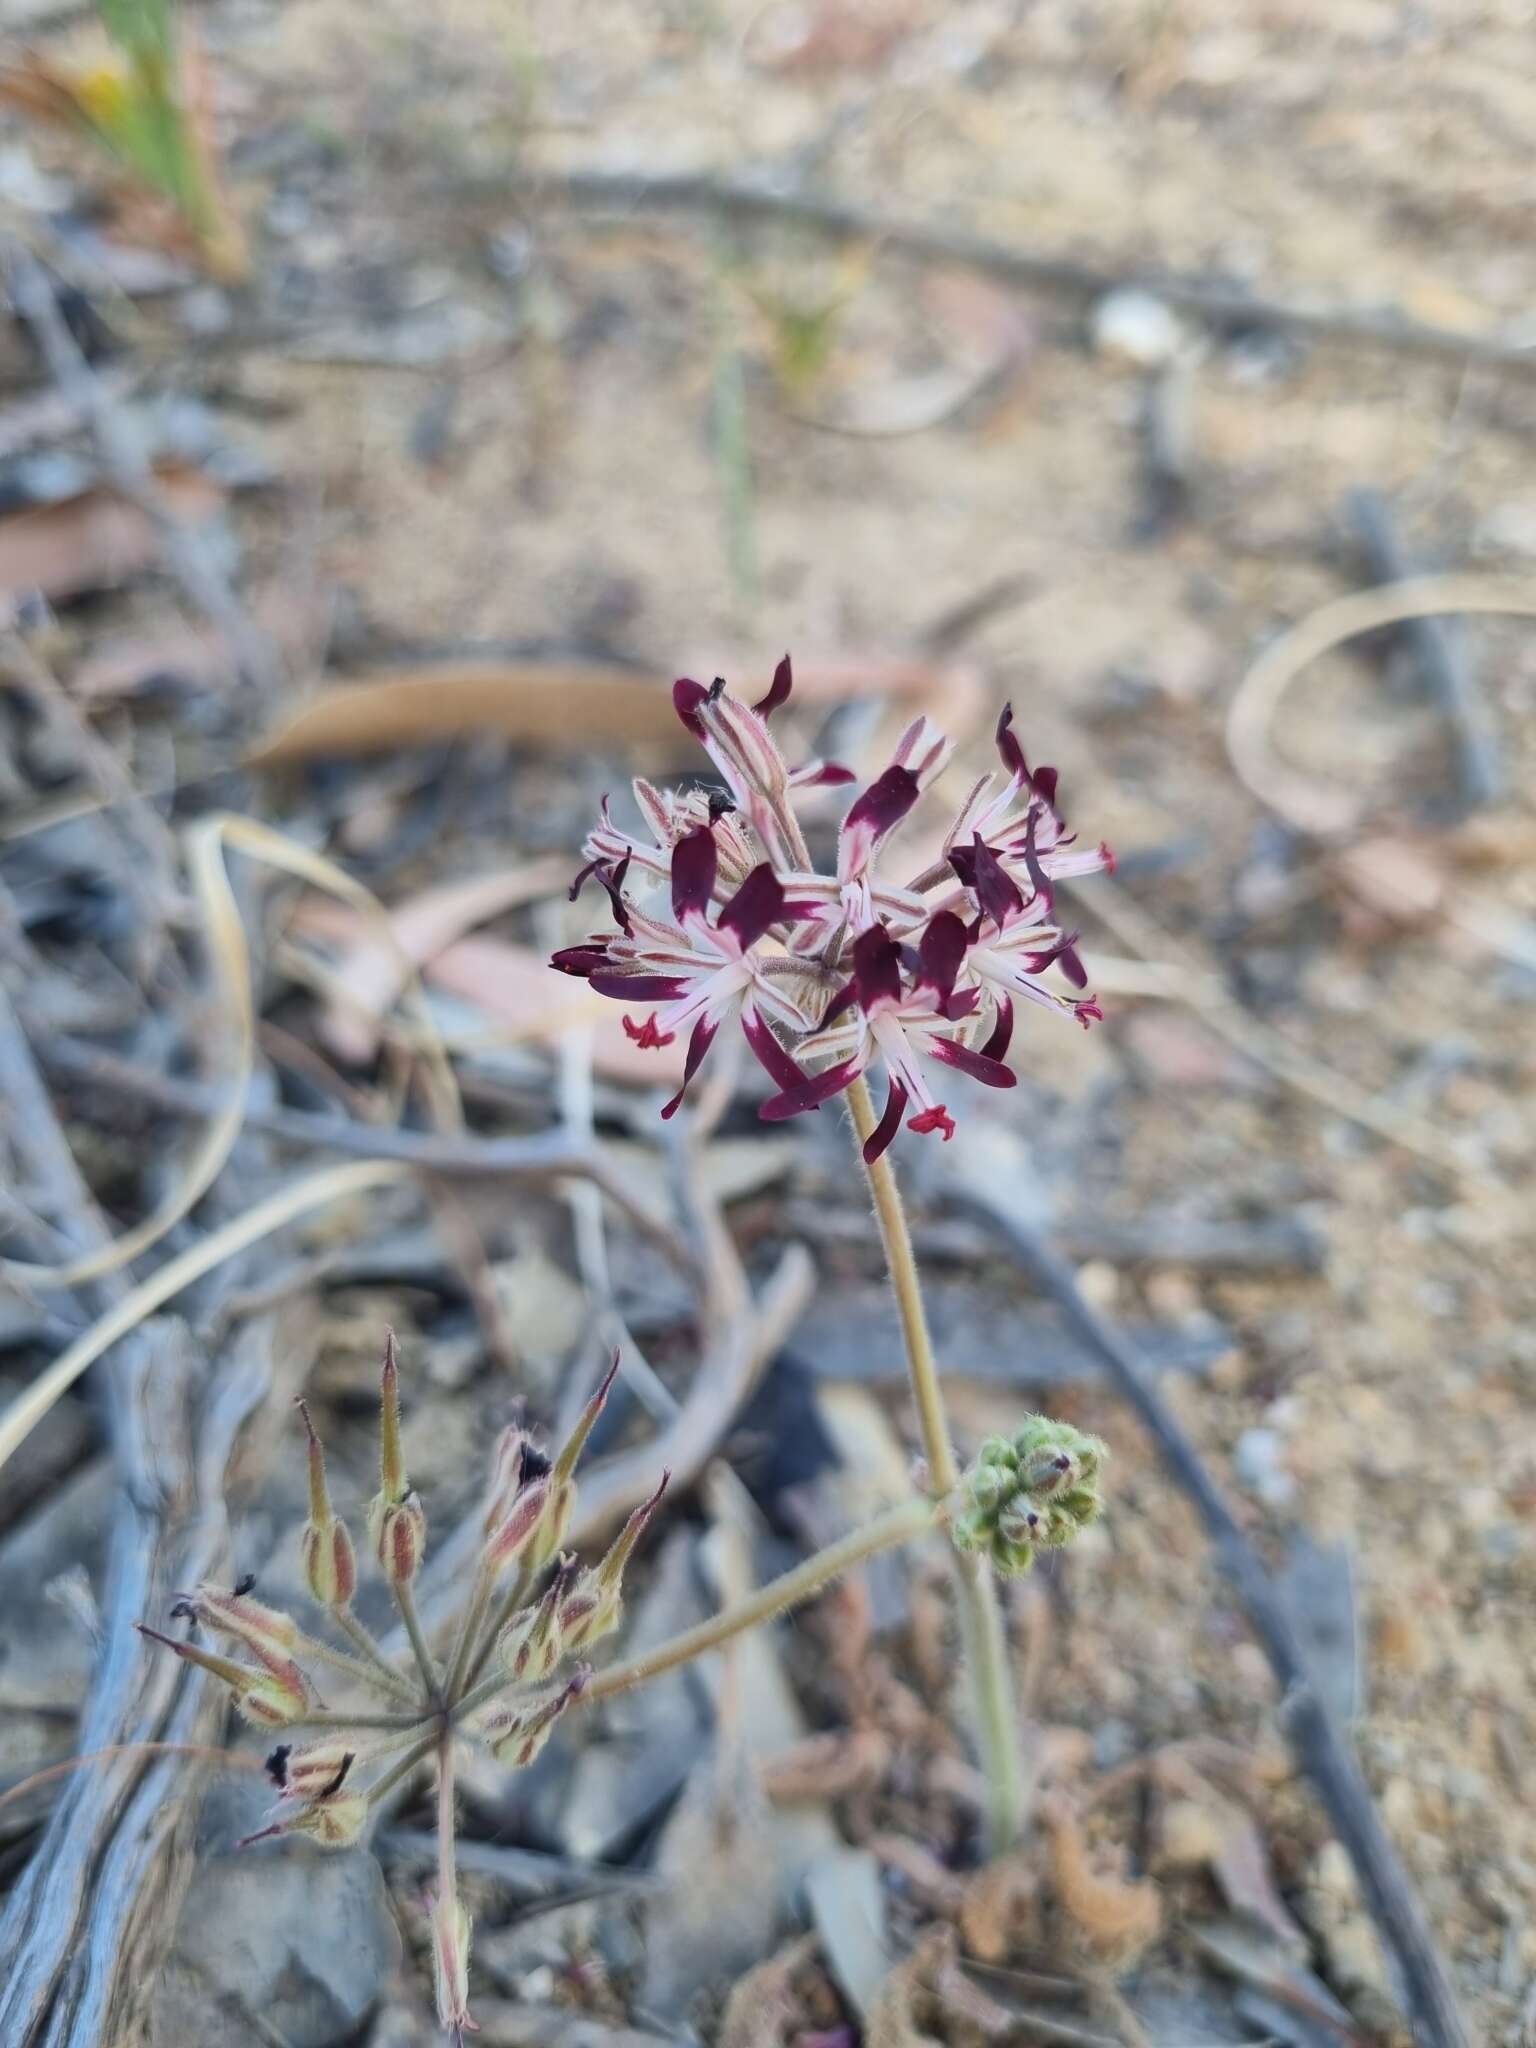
[(462, 412)]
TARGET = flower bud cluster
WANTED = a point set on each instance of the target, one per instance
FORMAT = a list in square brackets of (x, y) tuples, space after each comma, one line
[(1033, 1491)]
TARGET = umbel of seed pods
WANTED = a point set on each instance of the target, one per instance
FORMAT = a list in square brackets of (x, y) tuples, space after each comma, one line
[(721, 918), (282, 1677)]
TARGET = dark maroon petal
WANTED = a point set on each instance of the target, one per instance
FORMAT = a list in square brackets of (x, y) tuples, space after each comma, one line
[(770, 1053), (1045, 781), (579, 879), (809, 1094), (996, 1047), (1072, 966), (694, 861), (941, 950), (584, 960), (1039, 880), (876, 967), (637, 988), (843, 1000), (756, 905), (996, 891), (698, 1045), (830, 775), (963, 861), (687, 696), (889, 1124), (778, 690), (962, 1002), (885, 803), (980, 1068), (1008, 745)]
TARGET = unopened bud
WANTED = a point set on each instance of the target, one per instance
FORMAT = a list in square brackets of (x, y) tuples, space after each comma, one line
[(268, 1633), (515, 1463), (450, 1966), (595, 1603), (336, 1822), (536, 1522), (517, 1731), (325, 1546), (398, 1529), (1034, 1493), (533, 1642), (397, 1521), (318, 1770), (270, 1698)]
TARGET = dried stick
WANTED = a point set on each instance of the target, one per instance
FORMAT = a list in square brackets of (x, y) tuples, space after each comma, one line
[(187, 552), (547, 1156), (1221, 306), (1322, 1747)]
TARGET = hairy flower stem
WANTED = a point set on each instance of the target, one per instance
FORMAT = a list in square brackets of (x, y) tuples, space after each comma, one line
[(469, 1629), (383, 1672), (447, 1879), (405, 1600), (515, 1596), (898, 1525), (981, 1619), (365, 1672), (401, 1768)]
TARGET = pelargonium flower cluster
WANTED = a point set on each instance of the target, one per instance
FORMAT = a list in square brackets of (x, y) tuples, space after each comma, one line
[(720, 917)]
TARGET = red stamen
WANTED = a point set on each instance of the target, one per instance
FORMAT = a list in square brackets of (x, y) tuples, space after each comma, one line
[(646, 1035), (936, 1119), (1088, 1013)]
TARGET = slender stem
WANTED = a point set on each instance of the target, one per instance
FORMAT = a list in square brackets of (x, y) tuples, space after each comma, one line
[(364, 1672), (323, 1719), (405, 1600), (901, 1263), (356, 1632), (898, 1525), (401, 1768), (447, 1878), (516, 1594), (469, 1629), (981, 1620)]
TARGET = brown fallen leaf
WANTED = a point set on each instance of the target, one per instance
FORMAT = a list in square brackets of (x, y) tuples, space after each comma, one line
[(374, 973), (563, 704), (96, 539), (1200, 1828), (1113, 1919), (1000, 1909)]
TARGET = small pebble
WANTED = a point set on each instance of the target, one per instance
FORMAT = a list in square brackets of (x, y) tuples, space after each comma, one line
[(1258, 1459), (1136, 328)]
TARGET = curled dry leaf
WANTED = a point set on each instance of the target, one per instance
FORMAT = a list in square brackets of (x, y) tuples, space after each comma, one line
[(96, 539), (1000, 1909), (764, 2009), (1113, 1919)]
